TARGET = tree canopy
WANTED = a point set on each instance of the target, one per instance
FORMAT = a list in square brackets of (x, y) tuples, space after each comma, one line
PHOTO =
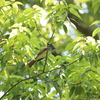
[(72, 71)]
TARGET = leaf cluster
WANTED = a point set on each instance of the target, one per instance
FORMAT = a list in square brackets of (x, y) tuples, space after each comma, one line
[(72, 72)]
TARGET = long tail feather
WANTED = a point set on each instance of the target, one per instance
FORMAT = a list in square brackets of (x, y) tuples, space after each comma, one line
[(31, 63)]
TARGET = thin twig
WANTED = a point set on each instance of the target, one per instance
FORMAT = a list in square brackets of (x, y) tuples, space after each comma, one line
[(45, 59), (47, 51), (51, 36), (34, 77)]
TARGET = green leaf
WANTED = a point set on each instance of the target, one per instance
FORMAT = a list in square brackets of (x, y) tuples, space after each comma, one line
[(65, 28), (56, 7), (75, 6), (26, 30), (32, 23), (29, 52), (95, 22), (40, 88), (95, 2), (74, 12), (59, 23), (59, 13), (51, 94), (72, 90), (20, 64), (80, 44), (15, 8), (79, 90), (96, 31), (59, 91), (27, 11), (96, 7), (79, 39), (17, 2), (7, 56), (24, 94), (48, 2), (81, 57), (70, 45), (4, 3)]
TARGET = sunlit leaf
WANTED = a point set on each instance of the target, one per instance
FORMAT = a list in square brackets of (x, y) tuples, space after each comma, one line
[(81, 44), (6, 74), (19, 3), (51, 94), (96, 31), (95, 22), (29, 51), (59, 12), (7, 56), (15, 8), (78, 39)]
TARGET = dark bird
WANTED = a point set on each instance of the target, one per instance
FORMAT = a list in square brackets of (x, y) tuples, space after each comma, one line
[(42, 54)]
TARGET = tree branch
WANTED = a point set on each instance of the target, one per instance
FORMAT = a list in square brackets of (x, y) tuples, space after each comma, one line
[(34, 77), (47, 51)]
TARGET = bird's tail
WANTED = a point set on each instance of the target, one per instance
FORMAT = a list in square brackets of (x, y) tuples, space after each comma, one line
[(31, 63)]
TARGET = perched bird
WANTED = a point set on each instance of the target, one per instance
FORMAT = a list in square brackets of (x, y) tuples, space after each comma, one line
[(42, 54)]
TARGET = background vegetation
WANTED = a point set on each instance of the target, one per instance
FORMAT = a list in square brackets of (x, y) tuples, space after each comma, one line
[(72, 72)]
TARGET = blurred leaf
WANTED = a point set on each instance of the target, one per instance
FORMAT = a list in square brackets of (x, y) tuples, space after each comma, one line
[(56, 7), (59, 91), (19, 3), (95, 2), (15, 8), (79, 39), (26, 30), (24, 94), (79, 90), (95, 5), (70, 46), (59, 23), (81, 57), (20, 64), (96, 31), (6, 56), (6, 75), (29, 51), (74, 12), (48, 2), (59, 12), (72, 90), (75, 6), (95, 22), (41, 89), (96, 8), (80, 44), (51, 94)]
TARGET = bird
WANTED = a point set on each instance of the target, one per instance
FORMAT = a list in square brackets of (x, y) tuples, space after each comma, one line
[(42, 54)]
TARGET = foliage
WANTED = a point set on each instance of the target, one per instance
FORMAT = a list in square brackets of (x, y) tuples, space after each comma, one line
[(72, 72)]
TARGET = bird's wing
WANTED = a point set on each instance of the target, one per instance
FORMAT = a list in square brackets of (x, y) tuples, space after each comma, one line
[(43, 50)]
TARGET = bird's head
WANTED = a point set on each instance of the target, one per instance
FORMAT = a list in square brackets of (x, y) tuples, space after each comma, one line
[(51, 46)]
